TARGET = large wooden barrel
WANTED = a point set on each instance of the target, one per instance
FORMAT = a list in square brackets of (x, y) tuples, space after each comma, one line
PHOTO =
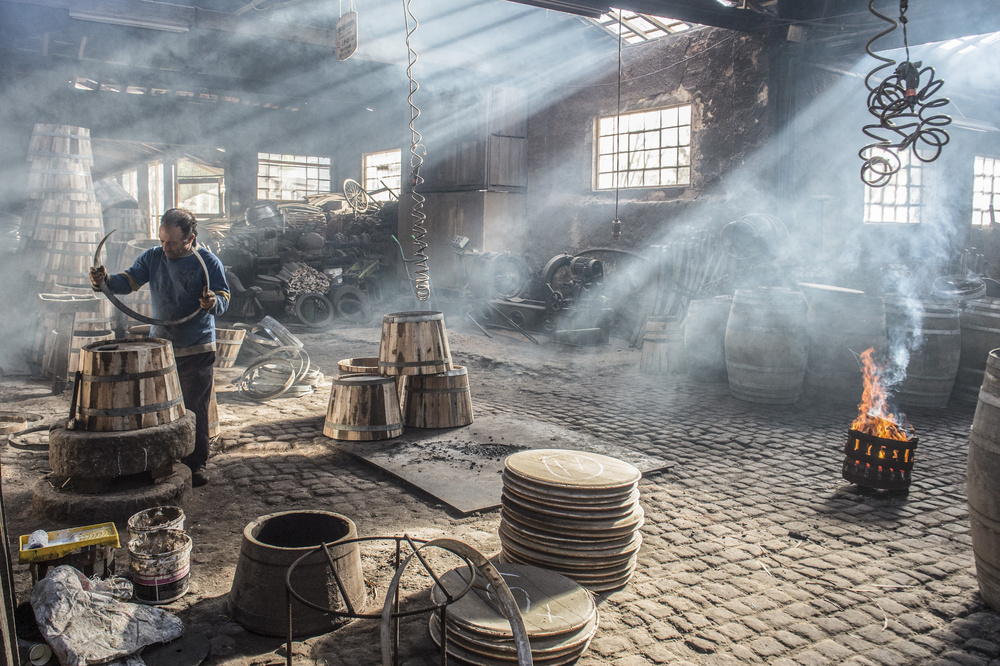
[(227, 346), (414, 343), (368, 365), (60, 141), (662, 346), (271, 544), (57, 178), (127, 385), (437, 401), (980, 322), (65, 236), (982, 483), (705, 337), (841, 324), (930, 330), (363, 408), (766, 345), (82, 338)]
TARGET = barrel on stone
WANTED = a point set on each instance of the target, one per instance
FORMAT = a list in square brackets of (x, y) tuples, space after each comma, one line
[(980, 323), (437, 401), (363, 408), (127, 385), (930, 330), (766, 345), (705, 337), (841, 324), (414, 343), (662, 346), (983, 483), (271, 544)]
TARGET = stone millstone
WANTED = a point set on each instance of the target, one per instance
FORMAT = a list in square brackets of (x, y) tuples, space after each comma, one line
[(85, 454), (49, 499)]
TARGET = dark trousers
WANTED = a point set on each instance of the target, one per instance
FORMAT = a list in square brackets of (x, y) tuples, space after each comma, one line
[(196, 373)]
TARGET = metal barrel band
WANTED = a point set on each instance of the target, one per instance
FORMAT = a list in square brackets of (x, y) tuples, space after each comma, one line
[(132, 376), (130, 411)]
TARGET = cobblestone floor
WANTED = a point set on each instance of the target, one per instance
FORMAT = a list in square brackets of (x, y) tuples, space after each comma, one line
[(755, 549)]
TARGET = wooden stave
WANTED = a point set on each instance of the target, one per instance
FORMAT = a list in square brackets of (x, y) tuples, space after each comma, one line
[(414, 343)]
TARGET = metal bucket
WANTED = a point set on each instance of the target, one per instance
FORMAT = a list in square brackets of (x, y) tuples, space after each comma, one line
[(160, 564)]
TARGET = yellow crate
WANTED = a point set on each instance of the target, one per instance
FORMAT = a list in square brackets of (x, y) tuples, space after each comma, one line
[(63, 542)]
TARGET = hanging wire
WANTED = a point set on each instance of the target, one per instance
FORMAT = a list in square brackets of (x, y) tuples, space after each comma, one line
[(421, 278), (616, 224), (903, 108)]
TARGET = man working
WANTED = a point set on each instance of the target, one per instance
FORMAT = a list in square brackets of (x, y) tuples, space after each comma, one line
[(177, 288)]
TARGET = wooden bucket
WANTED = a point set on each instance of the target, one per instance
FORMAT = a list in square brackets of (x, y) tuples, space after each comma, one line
[(59, 178), (128, 385), (931, 330), (227, 346), (363, 408), (368, 365), (271, 544), (62, 141), (980, 323), (766, 345), (841, 323), (414, 343), (983, 483), (437, 401), (662, 346), (705, 337)]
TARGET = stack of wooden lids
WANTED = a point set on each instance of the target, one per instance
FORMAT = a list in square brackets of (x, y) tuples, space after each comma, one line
[(573, 512), (560, 617)]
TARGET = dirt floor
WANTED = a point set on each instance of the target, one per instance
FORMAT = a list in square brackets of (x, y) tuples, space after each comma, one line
[(755, 550)]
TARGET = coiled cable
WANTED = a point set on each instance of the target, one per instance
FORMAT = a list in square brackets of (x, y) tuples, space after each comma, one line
[(903, 108), (421, 278)]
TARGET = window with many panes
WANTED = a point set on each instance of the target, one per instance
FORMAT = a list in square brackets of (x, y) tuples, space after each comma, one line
[(985, 190), (901, 199), (382, 174), (283, 177), (201, 188), (644, 149)]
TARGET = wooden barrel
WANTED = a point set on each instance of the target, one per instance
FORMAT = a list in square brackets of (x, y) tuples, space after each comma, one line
[(931, 331), (368, 365), (766, 345), (437, 401), (980, 323), (983, 483), (841, 324), (81, 339), (110, 193), (363, 408), (227, 346), (61, 141), (58, 178), (414, 343), (271, 544), (65, 236), (127, 385), (705, 337), (662, 346)]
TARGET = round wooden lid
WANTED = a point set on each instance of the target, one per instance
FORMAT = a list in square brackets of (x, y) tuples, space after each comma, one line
[(560, 497), (568, 525), (598, 582), (550, 603), (564, 468), (558, 554), (477, 658), (527, 535), (582, 511), (361, 380), (542, 647)]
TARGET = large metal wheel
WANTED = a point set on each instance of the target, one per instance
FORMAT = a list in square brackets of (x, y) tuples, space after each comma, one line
[(357, 196)]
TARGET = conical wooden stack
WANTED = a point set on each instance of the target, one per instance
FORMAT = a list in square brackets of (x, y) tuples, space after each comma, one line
[(573, 512), (560, 617)]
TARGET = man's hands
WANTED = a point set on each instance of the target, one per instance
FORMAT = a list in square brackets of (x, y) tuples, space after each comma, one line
[(207, 300), (98, 274)]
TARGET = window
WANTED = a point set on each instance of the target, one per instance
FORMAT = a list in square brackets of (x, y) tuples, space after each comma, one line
[(649, 149), (985, 190), (291, 177), (130, 182), (898, 202), (201, 188), (156, 194), (382, 180), (637, 28)]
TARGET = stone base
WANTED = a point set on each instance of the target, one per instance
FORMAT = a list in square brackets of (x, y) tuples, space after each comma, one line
[(50, 497)]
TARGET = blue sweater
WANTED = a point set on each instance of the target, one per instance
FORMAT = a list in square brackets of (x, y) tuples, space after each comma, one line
[(175, 285)]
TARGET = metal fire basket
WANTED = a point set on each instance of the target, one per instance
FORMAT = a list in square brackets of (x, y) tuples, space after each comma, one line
[(878, 462)]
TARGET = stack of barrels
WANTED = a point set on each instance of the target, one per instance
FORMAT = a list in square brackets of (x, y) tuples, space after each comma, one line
[(413, 382)]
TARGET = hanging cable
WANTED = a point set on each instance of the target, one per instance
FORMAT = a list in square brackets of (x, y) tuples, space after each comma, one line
[(903, 108), (421, 278), (616, 224)]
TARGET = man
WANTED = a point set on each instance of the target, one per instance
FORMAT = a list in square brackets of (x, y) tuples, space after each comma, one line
[(177, 288)]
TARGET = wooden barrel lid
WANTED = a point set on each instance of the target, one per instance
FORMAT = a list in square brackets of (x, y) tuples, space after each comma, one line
[(563, 468), (416, 316), (568, 551), (561, 498), (582, 511), (476, 659), (570, 525), (599, 582), (550, 604), (544, 648), (578, 563), (528, 535)]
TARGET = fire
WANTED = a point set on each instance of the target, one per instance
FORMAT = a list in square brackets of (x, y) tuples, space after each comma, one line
[(874, 418)]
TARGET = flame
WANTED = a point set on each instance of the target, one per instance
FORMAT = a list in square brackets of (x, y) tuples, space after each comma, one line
[(874, 418)]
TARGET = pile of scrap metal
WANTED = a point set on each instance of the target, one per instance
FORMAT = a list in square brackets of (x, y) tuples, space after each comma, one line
[(341, 259), (564, 299)]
